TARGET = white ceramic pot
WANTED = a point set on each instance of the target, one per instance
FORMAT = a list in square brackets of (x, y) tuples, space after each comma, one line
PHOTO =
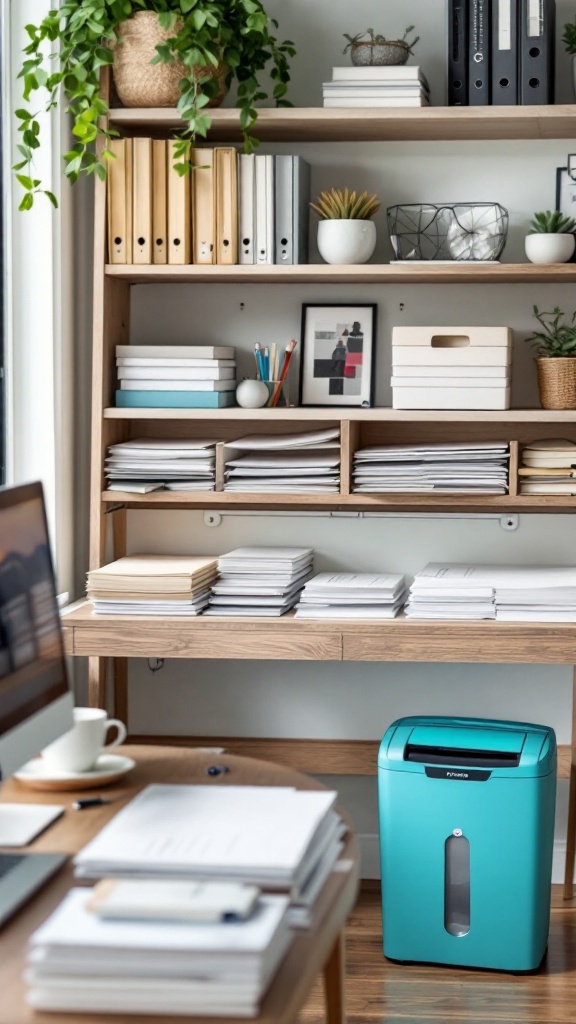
[(544, 248), (252, 394), (346, 241)]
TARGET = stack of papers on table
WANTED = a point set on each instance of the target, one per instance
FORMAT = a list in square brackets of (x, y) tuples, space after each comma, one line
[(507, 593), (80, 962), (276, 837), (152, 585), (291, 463), (458, 468), (548, 467), (260, 581), (148, 464), (352, 595)]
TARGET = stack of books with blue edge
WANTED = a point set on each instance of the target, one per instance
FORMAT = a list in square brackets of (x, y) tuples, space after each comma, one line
[(377, 86), (176, 376)]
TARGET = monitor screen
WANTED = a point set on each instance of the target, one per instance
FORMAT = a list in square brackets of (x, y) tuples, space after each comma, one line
[(33, 679)]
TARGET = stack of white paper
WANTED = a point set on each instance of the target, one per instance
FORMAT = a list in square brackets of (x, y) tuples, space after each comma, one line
[(273, 836), (378, 86), (548, 467), (479, 467), (507, 593), (260, 581), (352, 595), (80, 962), (148, 464), (291, 463), (152, 585)]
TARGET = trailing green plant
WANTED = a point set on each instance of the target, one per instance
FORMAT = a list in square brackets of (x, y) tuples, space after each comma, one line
[(342, 204), (557, 339), (552, 222), (377, 38), (569, 37), (74, 41)]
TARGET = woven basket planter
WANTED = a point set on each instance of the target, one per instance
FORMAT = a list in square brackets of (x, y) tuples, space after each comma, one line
[(365, 54), (142, 84), (557, 382)]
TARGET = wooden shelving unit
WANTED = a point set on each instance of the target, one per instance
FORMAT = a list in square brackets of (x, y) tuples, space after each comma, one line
[(122, 637)]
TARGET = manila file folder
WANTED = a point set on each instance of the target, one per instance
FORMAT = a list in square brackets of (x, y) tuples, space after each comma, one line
[(159, 203), (226, 206), (179, 212), (203, 211), (142, 208), (119, 194)]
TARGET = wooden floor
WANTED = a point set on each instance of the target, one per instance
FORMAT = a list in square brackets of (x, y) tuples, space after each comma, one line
[(379, 991)]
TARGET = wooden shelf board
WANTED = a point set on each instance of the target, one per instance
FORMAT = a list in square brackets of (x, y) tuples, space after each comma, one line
[(318, 124), (333, 415), (315, 757), (366, 273), (288, 638), (360, 502)]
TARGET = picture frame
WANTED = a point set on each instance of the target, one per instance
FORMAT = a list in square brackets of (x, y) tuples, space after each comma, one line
[(566, 187), (337, 355)]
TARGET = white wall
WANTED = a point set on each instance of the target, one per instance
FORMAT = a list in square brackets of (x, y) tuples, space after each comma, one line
[(360, 700)]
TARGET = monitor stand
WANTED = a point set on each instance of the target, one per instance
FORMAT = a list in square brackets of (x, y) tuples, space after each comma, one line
[(22, 874)]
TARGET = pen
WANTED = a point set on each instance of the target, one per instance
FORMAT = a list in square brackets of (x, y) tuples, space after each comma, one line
[(283, 373), (95, 801)]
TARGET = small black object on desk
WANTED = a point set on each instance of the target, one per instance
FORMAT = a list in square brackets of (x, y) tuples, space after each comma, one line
[(217, 769)]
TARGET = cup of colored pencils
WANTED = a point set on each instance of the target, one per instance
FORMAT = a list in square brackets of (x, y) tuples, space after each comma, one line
[(272, 365)]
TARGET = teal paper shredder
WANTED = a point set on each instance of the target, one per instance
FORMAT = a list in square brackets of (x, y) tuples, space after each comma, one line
[(466, 809)]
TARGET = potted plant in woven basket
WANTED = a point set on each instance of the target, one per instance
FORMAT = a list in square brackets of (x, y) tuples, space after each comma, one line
[(182, 53), (377, 50), (346, 233), (555, 359)]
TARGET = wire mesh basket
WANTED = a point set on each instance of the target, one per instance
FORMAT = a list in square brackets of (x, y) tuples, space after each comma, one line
[(448, 231)]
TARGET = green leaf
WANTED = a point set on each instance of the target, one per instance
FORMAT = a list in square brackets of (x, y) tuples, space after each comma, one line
[(27, 202), (25, 181), (52, 198)]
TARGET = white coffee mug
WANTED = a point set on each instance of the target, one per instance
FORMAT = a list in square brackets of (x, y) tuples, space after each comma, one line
[(79, 749)]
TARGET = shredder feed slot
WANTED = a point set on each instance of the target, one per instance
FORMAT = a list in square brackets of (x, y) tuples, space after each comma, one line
[(461, 758)]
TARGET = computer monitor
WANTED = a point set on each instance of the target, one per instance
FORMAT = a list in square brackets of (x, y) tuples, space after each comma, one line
[(35, 698)]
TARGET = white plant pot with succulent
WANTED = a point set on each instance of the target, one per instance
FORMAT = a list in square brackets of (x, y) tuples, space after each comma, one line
[(346, 233), (552, 239)]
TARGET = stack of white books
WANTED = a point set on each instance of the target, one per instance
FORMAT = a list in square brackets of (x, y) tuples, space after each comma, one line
[(306, 463), (174, 376), (398, 86), (80, 962), (451, 367), (506, 593), (548, 467), (152, 464), (478, 467), (260, 581), (276, 837), (349, 595), (152, 585)]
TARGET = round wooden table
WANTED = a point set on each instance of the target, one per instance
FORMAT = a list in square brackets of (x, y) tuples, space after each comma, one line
[(317, 949)]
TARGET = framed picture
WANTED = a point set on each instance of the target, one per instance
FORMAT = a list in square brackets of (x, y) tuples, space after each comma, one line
[(566, 188), (337, 355)]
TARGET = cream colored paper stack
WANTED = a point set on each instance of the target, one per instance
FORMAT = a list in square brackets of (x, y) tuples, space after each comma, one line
[(451, 367), (548, 467), (152, 585)]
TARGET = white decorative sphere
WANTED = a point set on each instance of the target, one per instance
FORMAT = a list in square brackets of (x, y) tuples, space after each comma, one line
[(252, 394)]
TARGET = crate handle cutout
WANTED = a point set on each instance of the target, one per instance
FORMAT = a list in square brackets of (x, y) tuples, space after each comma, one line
[(450, 341)]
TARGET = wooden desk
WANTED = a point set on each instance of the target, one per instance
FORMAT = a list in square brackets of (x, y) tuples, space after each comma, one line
[(317, 949)]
